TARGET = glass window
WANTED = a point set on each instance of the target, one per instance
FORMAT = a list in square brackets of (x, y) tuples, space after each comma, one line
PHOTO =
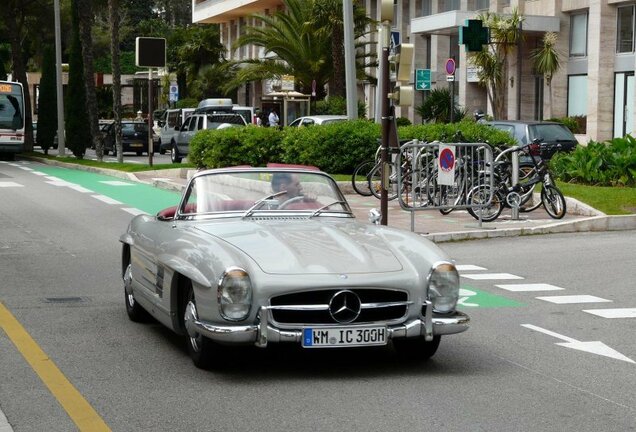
[(578, 35), (577, 95), (449, 5), (625, 30)]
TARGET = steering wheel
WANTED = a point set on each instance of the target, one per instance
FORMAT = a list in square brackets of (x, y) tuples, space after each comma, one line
[(290, 201)]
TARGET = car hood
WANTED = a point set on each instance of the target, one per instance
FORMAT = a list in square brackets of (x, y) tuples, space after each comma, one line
[(308, 246)]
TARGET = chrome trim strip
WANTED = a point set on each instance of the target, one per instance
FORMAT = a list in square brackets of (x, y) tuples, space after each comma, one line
[(262, 333), (319, 307)]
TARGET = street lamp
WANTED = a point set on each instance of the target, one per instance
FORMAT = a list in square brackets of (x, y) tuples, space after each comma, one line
[(61, 150)]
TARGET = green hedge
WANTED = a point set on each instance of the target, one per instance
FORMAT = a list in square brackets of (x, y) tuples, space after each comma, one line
[(335, 148)]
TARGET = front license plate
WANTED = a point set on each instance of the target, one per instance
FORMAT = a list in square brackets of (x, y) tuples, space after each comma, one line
[(336, 337), (136, 145)]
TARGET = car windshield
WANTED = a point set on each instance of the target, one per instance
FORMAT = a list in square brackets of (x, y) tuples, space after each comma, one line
[(134, 127), (246, 192), (550, 132)]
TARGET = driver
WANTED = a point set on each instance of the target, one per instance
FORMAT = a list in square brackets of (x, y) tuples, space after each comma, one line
[(290, 184)]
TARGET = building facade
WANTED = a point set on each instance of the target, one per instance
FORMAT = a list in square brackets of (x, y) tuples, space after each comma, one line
[(595, 40)]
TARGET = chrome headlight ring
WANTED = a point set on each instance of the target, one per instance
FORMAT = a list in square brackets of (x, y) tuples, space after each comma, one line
[(443, 287), (234, 294)]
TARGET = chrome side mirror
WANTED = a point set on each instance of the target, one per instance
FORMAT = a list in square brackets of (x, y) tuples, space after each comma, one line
[(375, 216)]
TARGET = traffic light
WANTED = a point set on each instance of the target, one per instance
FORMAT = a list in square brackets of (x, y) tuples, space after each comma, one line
[(403, 59)]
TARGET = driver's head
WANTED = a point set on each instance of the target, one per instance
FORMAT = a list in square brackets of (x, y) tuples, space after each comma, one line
[(287, 182)]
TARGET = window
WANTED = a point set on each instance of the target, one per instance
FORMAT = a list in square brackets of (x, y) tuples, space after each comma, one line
[(449, 5), (625, 30), (578, 35), (577, 95), (482, 4)]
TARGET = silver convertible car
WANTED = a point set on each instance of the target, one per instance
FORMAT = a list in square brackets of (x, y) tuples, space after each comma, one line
[(253, 256)]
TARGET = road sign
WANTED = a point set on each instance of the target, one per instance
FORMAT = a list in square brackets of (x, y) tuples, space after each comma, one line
[(173, 96), (394, 42), (422, 79), (450, 78), (446, 165), (450, 66)]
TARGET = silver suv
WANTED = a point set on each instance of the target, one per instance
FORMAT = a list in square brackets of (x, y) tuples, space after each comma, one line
[(180, 146)]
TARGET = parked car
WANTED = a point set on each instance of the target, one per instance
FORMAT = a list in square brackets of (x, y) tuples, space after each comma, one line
[(317, 120), (134, 138), (546, 132), (180, 146), (170, 125), (259, 256)]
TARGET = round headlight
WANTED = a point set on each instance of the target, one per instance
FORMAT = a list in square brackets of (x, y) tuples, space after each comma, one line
[(443, 287), (235, 294)]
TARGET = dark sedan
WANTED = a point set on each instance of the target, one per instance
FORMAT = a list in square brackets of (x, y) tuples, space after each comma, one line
[(134, 138), (545, 132)]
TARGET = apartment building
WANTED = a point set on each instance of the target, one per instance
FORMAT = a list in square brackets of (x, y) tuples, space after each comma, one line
[(595, 40)]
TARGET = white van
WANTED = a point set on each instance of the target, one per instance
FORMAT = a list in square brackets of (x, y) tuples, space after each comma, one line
[(172, 121)]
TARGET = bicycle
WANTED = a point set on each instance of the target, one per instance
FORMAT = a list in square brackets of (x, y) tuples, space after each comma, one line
[(490, 201)]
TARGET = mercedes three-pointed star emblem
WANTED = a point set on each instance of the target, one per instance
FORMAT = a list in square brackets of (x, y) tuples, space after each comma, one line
[(345, 306)]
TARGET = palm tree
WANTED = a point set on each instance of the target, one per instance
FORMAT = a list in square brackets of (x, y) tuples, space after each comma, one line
[(493, 60), (306, 41), (113, 16), (547, 62), (86, 18)]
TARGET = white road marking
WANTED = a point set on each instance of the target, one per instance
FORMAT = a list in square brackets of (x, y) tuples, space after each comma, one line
[(529, 287), (613, 313), (107, 200), (116, 183), (4, 423), (79, 188), (491, 276), (134, 211), (572, 299), (25, 168), (8, 184), (468, 267), (39, 173), (594, 347), (59, 183)]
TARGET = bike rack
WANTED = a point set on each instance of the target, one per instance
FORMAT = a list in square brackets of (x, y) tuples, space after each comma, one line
[(443, 183)]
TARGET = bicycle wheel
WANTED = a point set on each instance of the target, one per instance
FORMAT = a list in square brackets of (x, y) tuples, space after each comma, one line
[(553, 201), (375, 182), (479, 196), (360, 178)]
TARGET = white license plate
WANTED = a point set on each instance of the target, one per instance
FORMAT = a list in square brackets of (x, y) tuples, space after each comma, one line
[(136, 145), (335, 337)]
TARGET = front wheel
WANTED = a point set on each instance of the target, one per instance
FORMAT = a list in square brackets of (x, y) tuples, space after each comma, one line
[(134, 310), (478, 199), (174, 154), (416, 348), (199, 347), (360, 178), (553, 201)]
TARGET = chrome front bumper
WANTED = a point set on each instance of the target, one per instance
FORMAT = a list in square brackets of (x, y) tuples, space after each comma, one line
[(264, 332)]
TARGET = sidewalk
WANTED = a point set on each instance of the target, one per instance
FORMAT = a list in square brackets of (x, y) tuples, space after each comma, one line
[(458, 225)]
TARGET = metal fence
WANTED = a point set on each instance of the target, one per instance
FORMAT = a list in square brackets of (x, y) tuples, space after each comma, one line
[(444, 176)]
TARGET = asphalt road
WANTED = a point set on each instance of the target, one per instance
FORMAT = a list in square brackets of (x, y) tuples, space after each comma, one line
[(522, 366)]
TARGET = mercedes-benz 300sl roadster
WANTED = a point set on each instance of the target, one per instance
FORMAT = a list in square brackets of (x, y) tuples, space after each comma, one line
[(253, 256)]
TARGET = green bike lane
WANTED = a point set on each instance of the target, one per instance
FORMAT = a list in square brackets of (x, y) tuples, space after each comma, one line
[(141, 196), (150, 199)]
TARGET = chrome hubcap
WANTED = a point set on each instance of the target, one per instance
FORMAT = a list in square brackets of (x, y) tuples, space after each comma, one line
[(189, 318), (128, 286)]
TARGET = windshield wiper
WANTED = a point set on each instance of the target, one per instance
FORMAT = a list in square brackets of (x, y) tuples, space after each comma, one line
[(325, 207), (258, 203)]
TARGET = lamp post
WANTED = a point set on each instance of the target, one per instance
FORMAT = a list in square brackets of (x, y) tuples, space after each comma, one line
[(61, 149)]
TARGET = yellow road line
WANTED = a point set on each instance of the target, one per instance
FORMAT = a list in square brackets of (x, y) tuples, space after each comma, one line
[(78, 409)]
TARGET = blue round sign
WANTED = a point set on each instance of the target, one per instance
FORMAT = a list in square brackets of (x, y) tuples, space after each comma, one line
[(447, 160), (450, 66)]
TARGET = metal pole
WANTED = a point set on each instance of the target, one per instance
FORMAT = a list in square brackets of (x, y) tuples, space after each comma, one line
[(519, 59), (384, 196), (379, 88), (350, 60), (61, 149), (150, 119)]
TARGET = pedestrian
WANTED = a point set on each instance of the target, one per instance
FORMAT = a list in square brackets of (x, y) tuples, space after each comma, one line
[(257, 117), (273, 118)]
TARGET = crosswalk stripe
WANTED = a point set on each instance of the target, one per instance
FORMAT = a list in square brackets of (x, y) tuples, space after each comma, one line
[(491, 276), (133, 211), (573, 299), (8, 184), (469, 267), (107, 200), (529, 287), (613, 313)]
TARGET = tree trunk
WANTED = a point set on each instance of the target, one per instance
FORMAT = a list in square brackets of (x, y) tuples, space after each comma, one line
[(15, 24), (113, 9), (85, 10), (337, 80)]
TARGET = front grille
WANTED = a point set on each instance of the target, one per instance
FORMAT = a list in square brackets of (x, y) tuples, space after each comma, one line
[(312, 307)]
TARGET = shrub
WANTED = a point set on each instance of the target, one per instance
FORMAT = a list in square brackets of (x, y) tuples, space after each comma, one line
[(436, 107), (334, 148), (612, 163), (337, 105), (250, 145), (403, 121), (464, 131)]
